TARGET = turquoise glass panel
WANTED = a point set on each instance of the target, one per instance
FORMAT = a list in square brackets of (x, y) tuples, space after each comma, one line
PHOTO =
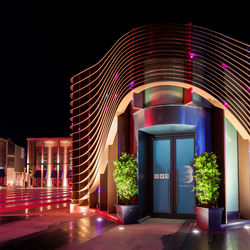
[(161, 176), (231, 152), (161, 95), (185, 175)]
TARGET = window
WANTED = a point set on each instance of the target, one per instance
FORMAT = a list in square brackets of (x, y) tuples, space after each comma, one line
[(10, 162), (22, 153)]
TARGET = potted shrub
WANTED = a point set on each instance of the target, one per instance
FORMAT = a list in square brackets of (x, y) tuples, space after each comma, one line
[(125, 177), (207, 180)]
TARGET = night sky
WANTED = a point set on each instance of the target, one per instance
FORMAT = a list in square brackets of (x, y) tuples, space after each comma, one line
[(44, 43)]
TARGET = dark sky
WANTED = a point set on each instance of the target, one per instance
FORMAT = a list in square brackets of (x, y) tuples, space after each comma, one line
[(44, 43)]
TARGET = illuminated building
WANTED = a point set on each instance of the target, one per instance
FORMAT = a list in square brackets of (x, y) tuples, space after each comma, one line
[(163, 92), (49, 161), (12, 163)]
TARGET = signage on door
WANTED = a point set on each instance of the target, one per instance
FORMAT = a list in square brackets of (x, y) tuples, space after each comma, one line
[(161, 176), (188, 174)]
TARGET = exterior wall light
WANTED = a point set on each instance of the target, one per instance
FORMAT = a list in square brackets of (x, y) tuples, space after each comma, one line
[(195, 231)]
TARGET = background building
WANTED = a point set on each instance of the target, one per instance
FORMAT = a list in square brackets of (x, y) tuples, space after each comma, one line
[(49, 161), (12, 163)]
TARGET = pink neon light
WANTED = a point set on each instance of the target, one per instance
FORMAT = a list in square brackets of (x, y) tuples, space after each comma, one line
[(115, 95), (192, 55), (192, 91), (106, 108), (107, 216), (78, 129), (132, 84), (224, 65), (226, 105), (116, 75)]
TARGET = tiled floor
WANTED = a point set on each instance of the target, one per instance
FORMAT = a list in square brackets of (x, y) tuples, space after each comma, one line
[(55, 228)]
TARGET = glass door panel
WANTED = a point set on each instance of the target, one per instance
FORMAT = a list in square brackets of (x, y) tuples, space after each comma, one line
[(185, 199), (161, 176)]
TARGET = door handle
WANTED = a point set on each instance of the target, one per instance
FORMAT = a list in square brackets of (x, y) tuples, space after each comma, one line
[(169, 182), (176, 190)]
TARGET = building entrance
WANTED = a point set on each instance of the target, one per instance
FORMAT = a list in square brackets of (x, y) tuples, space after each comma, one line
[(172, 176)]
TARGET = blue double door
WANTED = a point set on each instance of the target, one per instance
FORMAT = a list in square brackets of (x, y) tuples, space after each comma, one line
[(172, 177)]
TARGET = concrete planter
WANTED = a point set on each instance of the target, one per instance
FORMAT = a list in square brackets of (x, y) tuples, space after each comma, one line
[(127, 214), (208, 218)]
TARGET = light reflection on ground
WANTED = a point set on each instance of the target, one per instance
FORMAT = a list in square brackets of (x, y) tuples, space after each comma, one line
[(53, 226)]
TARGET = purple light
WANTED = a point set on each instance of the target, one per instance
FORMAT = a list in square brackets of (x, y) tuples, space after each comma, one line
[(115, 96), (192, 55), (224, 65), (78, 129), (98, 190), (99, 226), (192, 91), (116, 75), (225, 104), (106, 108), (132, 84), (72, 124)]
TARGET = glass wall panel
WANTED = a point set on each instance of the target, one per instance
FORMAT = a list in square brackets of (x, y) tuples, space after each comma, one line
[(161, 176), (185, 175), (231, 161)]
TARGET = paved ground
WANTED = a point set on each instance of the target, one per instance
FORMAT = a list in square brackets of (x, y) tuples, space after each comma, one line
[(23, 200), (53, 227)]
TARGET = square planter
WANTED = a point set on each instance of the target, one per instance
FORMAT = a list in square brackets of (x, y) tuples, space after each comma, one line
[(208, 218), (127, 214)]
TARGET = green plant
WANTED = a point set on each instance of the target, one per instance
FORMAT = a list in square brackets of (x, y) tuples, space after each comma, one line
[(125, 176), (207, 179)]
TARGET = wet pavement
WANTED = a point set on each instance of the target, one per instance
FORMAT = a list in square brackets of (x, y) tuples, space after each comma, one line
[(18, 200), (231, 238), (54, 227), (52, 233)]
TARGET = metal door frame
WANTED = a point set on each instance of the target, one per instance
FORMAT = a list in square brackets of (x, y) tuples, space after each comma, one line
[(173, 176)]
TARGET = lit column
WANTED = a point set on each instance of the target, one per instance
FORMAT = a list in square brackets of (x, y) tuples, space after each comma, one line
[(65, 164), (58, 162), (42, 161), (49, 167), (28, 163)]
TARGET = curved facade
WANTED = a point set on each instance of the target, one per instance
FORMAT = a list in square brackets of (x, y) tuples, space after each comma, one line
[(198, 60)]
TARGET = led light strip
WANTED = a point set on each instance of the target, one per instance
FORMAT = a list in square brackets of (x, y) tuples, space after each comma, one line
[(220, 67)]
